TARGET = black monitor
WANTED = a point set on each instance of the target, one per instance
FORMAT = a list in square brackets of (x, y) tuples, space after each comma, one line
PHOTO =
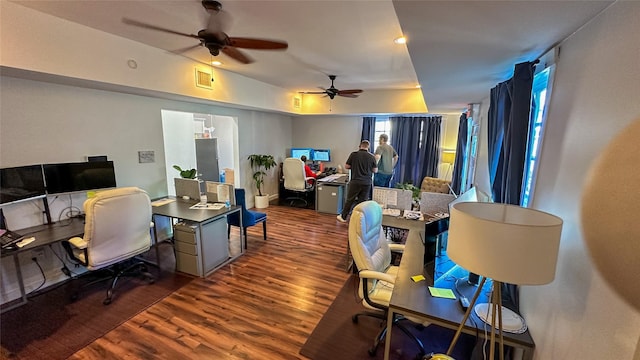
[(82, 176), (21, 183), (298, 152), (321, 155)]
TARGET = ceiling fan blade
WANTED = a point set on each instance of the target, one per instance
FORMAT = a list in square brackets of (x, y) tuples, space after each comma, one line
[(237, 54), (158, 28), (185, 49), (352, 91), (258, 44), (313, 92), (347, 95)]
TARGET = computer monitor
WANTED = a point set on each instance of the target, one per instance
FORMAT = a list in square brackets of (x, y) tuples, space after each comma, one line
[(321, 155), (187, 187), (298, 152), (21, 183), (81, 176)]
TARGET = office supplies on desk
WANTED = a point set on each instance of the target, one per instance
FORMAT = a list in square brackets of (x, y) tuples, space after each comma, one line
[(391, 212), (9, 238), (207, 206), (25, 241), (161, 202)]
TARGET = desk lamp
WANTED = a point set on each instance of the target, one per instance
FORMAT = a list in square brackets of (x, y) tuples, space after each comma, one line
[(506, 243)]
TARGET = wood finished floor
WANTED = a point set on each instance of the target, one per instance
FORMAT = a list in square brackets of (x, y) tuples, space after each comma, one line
[(262, 306)]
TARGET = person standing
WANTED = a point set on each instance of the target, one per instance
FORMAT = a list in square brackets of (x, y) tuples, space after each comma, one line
[(362, 164), (387, 158)]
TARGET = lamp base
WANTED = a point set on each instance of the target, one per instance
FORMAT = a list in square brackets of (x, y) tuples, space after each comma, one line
[(511, 321)]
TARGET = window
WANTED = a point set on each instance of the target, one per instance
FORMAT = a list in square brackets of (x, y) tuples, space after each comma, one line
[(540, 93), (383, 126)]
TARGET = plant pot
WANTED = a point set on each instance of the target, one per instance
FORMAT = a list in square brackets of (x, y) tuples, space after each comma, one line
[(262, 202)]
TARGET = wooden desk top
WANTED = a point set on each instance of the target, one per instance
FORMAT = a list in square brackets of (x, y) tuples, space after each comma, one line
[(180, 209), (411, 298), (49, 234)]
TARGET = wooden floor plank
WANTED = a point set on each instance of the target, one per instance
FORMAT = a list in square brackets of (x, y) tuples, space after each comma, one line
[(264, 305)]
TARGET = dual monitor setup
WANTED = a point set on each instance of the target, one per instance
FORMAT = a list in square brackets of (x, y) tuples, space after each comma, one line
[(314, 155), (30, 182)]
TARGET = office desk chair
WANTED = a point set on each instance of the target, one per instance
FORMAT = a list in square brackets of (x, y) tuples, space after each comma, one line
[(249, 217), (296, 181), (117, 228), (372, 256)]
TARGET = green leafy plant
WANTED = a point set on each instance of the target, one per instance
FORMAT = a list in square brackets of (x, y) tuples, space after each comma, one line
[(186, 174), (260, 165), (415, 191)]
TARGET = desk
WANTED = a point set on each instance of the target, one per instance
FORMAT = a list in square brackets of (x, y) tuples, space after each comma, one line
[(45, 235), (413, 299), (201, 246)]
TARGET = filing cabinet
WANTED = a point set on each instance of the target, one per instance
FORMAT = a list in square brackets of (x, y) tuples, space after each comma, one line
[(199, 252)]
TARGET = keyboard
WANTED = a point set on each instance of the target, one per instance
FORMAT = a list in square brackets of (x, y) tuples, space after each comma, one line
[(8, 238)]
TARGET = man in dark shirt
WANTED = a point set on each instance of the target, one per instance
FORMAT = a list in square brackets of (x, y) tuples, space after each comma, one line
[(362, 164)]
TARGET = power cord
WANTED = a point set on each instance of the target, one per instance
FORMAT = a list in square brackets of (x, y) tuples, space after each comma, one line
[(44, 278)]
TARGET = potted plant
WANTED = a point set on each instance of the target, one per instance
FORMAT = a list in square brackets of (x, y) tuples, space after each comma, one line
[(260, 164), (186, 174)]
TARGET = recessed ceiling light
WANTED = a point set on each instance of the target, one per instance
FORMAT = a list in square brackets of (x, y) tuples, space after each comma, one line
[(400, 40), (216, 63)]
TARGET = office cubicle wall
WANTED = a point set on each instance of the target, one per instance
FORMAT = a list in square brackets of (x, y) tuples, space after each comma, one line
[(187, 187), (432, 203), (391, 198), (220, 192)]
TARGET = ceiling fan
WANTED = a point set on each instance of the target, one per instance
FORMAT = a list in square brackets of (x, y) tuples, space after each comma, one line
[(331, 92), (215, 39)]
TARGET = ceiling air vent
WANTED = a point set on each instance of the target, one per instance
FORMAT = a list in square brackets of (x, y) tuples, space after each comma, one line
[(204, 79)]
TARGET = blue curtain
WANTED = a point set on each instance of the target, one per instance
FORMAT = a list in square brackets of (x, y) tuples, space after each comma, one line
[(417, 142), (461, 150), (368, 129), (508, 129)]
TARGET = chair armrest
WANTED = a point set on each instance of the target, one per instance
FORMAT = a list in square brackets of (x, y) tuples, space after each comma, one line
[(78, 242), (398, 248), (369, 274)]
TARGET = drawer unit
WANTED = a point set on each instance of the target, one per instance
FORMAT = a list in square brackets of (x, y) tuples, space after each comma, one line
[(199, 253)]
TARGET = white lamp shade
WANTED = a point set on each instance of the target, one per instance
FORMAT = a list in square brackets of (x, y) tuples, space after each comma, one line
[(504, 242)]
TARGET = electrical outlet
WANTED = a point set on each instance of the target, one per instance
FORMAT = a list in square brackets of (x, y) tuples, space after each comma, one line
[(38, 254)]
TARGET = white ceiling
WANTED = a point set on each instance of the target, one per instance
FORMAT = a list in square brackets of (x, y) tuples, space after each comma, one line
[(457, 50)]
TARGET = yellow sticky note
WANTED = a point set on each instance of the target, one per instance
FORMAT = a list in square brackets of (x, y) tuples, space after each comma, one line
[(442, 293), (417, 278)]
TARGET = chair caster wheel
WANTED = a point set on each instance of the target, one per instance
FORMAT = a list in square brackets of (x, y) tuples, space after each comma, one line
[(106, 301), (354, 319), (74, 297), (372, 352)]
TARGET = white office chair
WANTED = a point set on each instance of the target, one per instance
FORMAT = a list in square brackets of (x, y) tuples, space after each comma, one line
[(372, 256), (296, 181), (116, 230)]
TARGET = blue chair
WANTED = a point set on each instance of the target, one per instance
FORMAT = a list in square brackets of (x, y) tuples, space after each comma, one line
[(249, 217)]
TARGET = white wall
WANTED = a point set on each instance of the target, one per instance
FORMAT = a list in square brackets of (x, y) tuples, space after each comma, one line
[(595, 94), (47, 123)]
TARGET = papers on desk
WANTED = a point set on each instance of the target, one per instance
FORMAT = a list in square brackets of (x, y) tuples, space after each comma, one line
[(332, 178), (391, 212), (207, 206), (412, 215), (442, 293), (162, 202)]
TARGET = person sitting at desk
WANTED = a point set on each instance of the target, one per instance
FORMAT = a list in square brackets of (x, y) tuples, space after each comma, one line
[(307, 170)]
